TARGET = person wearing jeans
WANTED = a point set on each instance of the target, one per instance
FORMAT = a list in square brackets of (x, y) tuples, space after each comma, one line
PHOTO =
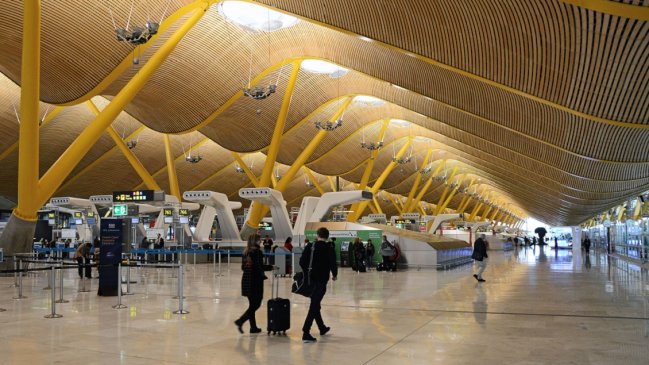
[(324, 262)]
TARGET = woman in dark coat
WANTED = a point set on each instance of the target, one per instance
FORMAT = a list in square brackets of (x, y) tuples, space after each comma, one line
[(252, 282)]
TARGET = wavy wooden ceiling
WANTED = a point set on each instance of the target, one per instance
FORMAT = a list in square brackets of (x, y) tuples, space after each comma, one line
[(545, 101)]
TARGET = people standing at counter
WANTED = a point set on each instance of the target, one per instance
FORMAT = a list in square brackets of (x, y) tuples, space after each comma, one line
[(369, 253)]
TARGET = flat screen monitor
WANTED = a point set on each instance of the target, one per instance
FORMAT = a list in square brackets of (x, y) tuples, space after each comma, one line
[(90, 220), (78, 222), (169, 219), (135, 220), (50, 222), (184, 220)]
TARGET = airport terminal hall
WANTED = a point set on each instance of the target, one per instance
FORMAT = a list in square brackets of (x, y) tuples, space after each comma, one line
[(346, 182)]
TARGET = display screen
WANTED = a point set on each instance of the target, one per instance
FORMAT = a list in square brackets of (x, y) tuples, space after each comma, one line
[(91, 220), (78, 215), (90, 214), (168, 212), (183, 212), (169, 219), (133, 196), (50, 215), (135, 220), (184, 220), (78, 222)]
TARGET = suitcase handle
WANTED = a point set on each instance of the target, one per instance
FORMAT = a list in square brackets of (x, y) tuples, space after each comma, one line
[(275, 282)]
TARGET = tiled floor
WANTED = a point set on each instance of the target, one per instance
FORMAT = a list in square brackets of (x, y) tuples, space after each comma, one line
[(537, 307)]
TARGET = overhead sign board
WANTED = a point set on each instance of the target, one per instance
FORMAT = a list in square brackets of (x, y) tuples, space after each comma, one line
[(183, 212), (168, 212), (120, 210), (78, 215), (134, 196)]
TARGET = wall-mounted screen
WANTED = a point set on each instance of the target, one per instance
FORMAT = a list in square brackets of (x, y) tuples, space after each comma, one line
[(78, 222), (135, 220), (184, 220), (169, 220)]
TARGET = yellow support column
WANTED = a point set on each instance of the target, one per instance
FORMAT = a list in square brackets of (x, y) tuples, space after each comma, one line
[(251, 176), (171, 169), (620, 212), (53, 178), (332, 184), (146, 177), (452, 194), (255, 214), (426, 186), (443, 196), (377, 185), (415, 185), (638, 209), (475, 211), (466, 196), (493, 215), (313, 180), (394, 202), (485, 212), (377, 206), (300, 160), (28, 151), (370, 163)]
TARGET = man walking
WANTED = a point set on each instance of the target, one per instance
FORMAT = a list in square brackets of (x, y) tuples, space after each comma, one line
[(480, 256), (324, 261)]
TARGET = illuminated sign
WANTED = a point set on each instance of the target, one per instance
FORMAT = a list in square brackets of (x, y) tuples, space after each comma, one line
[(90, 214), (168, 212), (78, 215), (404, 221), (50, 215), (120, 210), (183, 212), (133, 196)]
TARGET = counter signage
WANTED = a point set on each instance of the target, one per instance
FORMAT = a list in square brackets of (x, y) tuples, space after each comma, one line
[(78, 215), (168, 212), (183, 212), (133, 196)]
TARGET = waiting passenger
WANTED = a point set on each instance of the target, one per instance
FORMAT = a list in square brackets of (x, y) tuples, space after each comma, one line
[(369, 253), (252, 282), (359, 255), (288, 244), (388, 251)]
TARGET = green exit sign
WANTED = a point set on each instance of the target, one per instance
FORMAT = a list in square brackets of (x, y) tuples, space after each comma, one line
[(120, 210)]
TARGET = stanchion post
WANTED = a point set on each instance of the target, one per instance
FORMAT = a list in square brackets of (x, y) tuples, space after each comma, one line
[(128, 277), (20, 281), (180, 291), (194, 259), (49, 280), (219, 263), (53, 298), (228, 259), (180, 280), (119, 304), (61, 300), (15, 284)]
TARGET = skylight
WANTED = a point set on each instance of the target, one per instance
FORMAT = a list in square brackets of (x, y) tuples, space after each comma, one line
[(254, 17), (367, 100), (400, 123), (323, 67)]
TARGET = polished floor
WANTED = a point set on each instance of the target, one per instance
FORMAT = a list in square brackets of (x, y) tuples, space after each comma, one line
[(536, 307)]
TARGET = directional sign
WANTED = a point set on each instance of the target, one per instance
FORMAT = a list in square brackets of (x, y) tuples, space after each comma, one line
[(120, 210)]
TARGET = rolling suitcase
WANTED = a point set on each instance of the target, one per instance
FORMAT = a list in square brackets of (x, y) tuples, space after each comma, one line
[(279, 310)]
